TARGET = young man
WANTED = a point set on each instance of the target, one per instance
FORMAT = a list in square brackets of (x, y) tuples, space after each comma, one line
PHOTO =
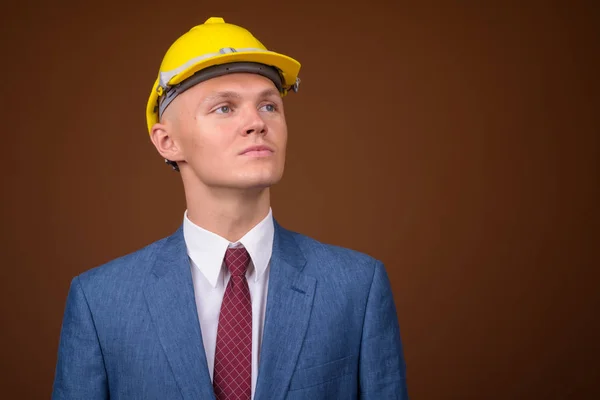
[(232, 305)]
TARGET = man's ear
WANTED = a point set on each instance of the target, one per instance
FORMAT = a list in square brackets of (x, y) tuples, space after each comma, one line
[(164, 143)]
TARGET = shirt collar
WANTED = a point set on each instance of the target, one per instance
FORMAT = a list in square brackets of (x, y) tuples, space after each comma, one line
[(207, 249)]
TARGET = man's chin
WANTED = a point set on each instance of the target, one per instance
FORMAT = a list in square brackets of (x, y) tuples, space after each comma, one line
[(257, 181), (248, 184), (257, 185)]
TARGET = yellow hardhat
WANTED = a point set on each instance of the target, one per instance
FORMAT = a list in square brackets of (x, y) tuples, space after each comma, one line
[(212, 49)]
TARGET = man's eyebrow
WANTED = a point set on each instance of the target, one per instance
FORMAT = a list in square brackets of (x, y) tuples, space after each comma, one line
[(221, 96), (269, 92)]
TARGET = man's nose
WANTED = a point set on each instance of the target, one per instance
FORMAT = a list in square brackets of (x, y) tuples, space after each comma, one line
[(255, 123)]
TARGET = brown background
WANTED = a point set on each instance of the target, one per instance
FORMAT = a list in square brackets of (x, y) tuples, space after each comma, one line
[(457, 143)]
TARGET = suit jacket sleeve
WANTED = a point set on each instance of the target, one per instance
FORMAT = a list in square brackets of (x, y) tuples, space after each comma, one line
[(80, 371), (382, 371)]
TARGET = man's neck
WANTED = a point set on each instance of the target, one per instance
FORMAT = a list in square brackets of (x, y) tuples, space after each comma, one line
[(228, 213)]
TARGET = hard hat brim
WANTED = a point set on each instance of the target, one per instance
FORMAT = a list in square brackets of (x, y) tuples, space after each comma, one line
[(287, 65)]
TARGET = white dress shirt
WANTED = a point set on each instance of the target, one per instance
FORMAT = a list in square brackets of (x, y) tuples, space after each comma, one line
[(206, 251)]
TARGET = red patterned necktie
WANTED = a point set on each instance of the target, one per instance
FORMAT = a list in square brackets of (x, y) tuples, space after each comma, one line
[(232, 372)]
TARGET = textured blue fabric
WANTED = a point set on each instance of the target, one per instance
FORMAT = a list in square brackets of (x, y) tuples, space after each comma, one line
[(131, 330)]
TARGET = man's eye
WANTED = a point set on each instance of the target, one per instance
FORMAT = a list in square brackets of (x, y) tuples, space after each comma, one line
[(223, 110), (268, 107)]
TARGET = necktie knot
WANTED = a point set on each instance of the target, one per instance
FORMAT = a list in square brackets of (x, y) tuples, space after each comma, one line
[(237, 260)]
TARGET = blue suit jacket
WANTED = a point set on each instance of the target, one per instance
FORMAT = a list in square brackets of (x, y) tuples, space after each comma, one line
[(131, 330)]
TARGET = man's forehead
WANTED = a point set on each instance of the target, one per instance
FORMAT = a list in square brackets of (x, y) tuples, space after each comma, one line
[(237, 85)]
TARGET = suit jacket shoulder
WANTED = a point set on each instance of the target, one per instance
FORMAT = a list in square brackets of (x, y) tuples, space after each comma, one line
[(131, 263), (333, 259), (117, 282)]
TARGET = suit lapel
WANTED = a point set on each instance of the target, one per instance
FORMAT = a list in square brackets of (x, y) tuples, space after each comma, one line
[(170, 296), (289, 303)]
